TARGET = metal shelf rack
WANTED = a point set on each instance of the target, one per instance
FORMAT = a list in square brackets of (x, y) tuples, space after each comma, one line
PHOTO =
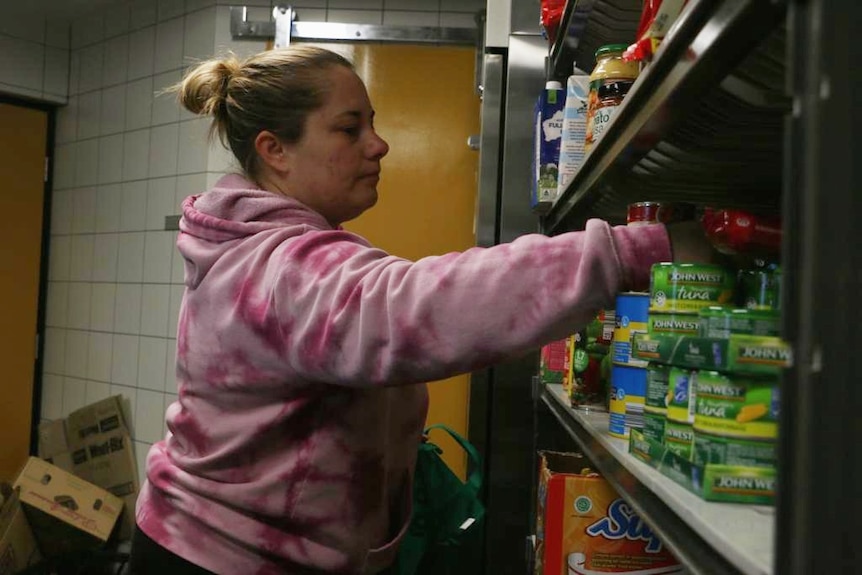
[(708, 538), (712, 100)]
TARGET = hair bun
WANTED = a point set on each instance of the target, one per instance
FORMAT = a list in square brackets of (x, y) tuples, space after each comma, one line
[(204, 88)]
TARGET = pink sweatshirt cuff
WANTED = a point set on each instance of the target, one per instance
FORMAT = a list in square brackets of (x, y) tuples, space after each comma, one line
[(639, 247)]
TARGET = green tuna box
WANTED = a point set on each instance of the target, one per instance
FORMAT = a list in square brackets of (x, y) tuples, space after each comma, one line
[(712, 482), (749, 354)]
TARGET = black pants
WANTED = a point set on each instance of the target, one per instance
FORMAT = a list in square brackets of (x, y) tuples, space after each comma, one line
[(150, 558)]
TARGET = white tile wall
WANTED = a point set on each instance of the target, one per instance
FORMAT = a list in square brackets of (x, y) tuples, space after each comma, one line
[(116, 20), (102, 307), (52, 396), (130, 261), (78, 307), (116, 67), (89, 114), (169, 45), (87, 160), (99, 358), (355, 16), (126, 157), (67, 123), (408, 18), (111, 159), (61, 212), (108, 205), (58, 304)]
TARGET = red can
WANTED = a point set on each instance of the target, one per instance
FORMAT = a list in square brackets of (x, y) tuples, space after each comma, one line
[(659, 212)]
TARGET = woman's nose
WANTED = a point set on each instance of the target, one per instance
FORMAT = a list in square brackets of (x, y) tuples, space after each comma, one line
[(378, 146)]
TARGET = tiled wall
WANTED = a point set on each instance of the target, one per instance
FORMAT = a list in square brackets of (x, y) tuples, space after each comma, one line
[(34, 58), (446, 13), (126, 155)]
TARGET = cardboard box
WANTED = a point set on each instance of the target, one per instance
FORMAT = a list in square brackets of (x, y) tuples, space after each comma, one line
[(52, 438), (586, 527), (93, 443), (728, 483), (17, 545), (756, 355), (108, 461), (53, 446), (101, 417), (65, 512)]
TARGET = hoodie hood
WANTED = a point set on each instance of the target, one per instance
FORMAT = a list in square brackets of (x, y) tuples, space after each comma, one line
[(235, 209)]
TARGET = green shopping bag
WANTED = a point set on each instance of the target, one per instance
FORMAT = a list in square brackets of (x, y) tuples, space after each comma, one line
[(446, 530)]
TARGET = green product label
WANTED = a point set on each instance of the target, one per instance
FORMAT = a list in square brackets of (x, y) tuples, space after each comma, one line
[(656, 389), (730, 451), (736, 406), (723, 325), (753, 353), (679, 438), (743, 484), (681, 395), (581, 360), (669, 324), (689, 287), (712, 482), (654, 425)]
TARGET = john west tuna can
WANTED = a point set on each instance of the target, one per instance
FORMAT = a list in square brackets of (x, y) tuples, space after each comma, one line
[(688, 288), (628, 390), (632, 315)]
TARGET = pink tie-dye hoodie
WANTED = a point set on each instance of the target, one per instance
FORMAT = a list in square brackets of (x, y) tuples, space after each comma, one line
[(299, 351)]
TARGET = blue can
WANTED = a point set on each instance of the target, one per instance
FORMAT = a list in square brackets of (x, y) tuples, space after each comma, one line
[(628, 395), (632, 316)]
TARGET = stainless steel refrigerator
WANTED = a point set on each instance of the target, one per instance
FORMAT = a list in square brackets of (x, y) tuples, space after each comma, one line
[(501, 415)]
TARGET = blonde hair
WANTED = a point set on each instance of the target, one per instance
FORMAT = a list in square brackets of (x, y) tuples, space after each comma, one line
[(274, 91)]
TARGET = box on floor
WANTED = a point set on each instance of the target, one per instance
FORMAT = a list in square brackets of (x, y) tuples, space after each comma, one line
[(93, 443), (65, 512), (584, 526), (18, 548)]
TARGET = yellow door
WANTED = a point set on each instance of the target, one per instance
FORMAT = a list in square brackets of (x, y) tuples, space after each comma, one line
[(23, 133), (426, 109)]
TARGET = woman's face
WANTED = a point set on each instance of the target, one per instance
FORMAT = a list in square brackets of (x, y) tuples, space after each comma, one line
[(335, 167)]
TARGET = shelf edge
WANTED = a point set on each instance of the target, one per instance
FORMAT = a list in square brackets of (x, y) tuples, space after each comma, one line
[(698, 556)]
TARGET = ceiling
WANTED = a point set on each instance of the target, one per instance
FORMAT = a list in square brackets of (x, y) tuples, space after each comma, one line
[(55, 9)]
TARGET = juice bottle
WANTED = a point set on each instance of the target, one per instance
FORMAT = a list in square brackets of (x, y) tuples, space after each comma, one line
[(610, 81)]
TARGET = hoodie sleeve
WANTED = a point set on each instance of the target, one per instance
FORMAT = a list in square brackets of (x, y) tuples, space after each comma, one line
[(353, 315)]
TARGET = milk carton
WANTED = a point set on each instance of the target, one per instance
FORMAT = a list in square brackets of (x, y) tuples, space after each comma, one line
[(574, 130), (546, 139)]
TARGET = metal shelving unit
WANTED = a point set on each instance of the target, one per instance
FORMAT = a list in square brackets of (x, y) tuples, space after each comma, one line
[(712, 99), (704, 123), (708, 538)]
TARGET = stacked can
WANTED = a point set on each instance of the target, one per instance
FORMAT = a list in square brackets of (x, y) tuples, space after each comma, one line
[(677, 293), (655, 402), (682, 399), (736, 420), (642, 213), (628, 375), (760, 289)]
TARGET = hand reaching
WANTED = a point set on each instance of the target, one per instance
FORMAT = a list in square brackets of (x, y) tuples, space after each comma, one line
[(689, 243)]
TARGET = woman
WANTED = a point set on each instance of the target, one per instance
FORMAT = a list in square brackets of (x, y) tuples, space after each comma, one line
[(299, 345)]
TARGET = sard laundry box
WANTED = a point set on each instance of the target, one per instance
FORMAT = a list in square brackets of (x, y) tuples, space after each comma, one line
[(586, 528)]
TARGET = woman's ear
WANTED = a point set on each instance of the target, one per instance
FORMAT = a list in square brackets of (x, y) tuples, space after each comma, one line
[(272, 151)]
